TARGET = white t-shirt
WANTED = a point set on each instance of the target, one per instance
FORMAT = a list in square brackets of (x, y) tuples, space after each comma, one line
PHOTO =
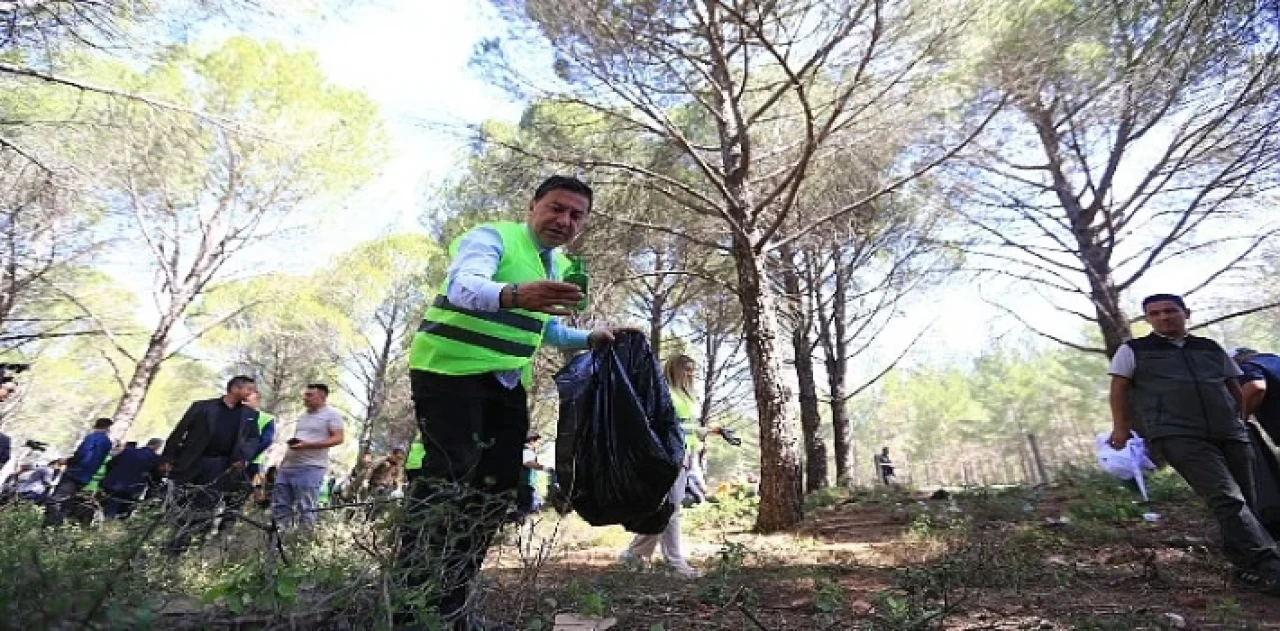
[(1123, 364), (313, 427)]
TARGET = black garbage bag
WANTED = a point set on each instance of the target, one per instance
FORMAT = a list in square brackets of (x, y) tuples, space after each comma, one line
[(1266, 480), (618, 446)]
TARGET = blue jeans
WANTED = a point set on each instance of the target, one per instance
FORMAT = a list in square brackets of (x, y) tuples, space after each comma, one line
[(297, 494)]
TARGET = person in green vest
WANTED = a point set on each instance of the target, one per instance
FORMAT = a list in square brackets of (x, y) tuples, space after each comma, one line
[(326, 489), (413, 462), (679, 372), (470, 364), (241, 486), (92, 487)]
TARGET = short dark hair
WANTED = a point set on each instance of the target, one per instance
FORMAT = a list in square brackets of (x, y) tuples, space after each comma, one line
[(319, 386), (564, 183), (239, 380), (1174, 298), (102, 423)]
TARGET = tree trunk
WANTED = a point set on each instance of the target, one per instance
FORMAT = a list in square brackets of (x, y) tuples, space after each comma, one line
[(1092, 251), (658, 306), (815, 448), (781, 493), (837, 365), (655, 324), (144, 374), (1112, 320)]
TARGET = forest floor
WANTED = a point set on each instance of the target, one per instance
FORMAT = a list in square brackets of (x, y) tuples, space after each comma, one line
[(1078, 554), (1075, 555)]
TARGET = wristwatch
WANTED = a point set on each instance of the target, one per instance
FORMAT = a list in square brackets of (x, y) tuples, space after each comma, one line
[(515, 295)]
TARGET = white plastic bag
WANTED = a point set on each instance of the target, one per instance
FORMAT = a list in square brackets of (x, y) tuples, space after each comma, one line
[(1127, 463)]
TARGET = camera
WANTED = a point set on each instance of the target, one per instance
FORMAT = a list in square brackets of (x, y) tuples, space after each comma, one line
[(730, 437), (5, 369)]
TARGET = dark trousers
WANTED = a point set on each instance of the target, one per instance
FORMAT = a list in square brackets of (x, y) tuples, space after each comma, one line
[(1221, 473), (197, 497), (474, 430), (119, 503), (55, 506), (526, 497), (235, 495)]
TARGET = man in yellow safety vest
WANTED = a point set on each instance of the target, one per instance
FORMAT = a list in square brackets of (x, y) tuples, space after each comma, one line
[(470, 364)]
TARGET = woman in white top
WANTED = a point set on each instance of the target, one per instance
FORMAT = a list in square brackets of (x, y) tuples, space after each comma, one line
[(679, 371)]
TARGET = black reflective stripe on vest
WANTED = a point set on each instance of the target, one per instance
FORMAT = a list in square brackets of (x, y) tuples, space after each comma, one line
[(504, 317), (495, 344)]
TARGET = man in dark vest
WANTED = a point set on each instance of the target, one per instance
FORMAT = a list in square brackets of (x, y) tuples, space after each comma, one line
[(471, 362), (206, 453), (1185, 389)]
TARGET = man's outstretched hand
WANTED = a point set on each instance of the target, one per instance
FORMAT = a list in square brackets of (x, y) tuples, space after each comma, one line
[(547, 296)]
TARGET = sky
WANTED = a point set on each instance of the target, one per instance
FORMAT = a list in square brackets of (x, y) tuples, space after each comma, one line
[(411, 57)]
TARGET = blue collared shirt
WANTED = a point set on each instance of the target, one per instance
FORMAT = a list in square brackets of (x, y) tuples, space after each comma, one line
[(470, 285)]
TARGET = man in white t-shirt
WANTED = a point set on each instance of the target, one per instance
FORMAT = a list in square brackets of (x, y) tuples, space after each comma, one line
[(302, 472)]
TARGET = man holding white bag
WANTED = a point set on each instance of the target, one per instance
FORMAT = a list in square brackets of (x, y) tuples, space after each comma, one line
[(1185, 390)]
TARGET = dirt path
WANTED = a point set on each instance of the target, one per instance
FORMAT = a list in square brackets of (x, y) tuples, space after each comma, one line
[(1002, 562)]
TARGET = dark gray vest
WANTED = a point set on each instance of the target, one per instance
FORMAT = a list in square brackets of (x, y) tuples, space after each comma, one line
[(1181, 391)]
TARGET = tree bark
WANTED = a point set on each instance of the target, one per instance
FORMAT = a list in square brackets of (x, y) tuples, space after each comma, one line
[(1089, 233), (781, 492), (657, 307), (833, 337), (815, 448), (145, 371)]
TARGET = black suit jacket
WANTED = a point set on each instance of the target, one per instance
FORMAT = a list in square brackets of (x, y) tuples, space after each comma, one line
[(188, 441)]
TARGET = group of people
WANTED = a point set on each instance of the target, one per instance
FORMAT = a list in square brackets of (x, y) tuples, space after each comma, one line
[(214, 457)]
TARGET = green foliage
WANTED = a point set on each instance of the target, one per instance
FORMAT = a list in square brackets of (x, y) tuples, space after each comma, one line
[(1165, 485), (1007, 504), (1226, 610), (829, 595), (893, 612), (587, 599), (723, 584), (1108, 504), (824, 498), (65, 574), (733, 508)]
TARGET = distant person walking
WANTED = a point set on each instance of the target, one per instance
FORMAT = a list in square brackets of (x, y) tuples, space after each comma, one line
[(89, 456), (1186, 392), (302, 472), (884, 465), (210, 447)]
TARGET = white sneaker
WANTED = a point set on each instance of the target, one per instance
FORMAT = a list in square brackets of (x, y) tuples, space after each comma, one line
[(684, 570)]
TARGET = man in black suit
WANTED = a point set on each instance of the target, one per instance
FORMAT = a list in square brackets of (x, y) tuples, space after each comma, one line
[(209, 447)]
